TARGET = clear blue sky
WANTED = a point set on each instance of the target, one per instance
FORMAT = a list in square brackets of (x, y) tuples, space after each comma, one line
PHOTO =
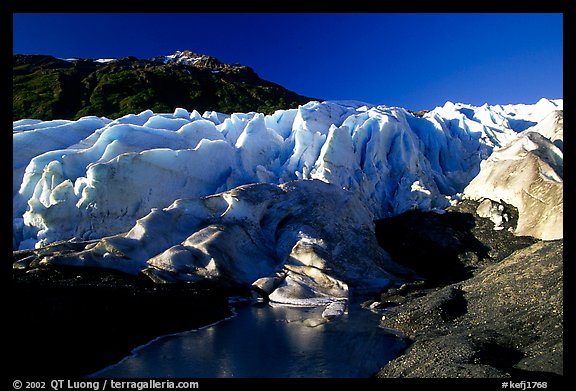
[(417, 61)]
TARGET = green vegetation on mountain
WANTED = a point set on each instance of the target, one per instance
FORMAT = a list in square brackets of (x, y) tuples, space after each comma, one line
[(47, 88)]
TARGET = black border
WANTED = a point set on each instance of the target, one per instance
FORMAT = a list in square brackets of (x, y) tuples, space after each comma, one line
[(566, 7)]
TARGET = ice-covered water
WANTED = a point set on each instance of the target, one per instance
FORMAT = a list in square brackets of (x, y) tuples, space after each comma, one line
[(269, 341)]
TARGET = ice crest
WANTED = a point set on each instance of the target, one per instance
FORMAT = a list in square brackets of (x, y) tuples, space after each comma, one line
[(166, 193)]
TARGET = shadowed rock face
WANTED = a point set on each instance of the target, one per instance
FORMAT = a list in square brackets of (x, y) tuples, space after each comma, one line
[(500, 316), (447, 248)]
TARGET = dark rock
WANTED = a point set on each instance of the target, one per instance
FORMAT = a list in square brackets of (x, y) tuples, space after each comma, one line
[(420, 113), (447, 248), (75, 321), (506, 321), (489, 303)]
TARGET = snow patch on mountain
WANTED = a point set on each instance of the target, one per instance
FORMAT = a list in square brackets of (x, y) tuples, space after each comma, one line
[(187, 57)]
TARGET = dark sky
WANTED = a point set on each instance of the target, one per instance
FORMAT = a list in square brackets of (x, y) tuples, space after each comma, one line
[(417, 61)]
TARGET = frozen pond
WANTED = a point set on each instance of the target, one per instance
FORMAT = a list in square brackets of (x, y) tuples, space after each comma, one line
[(268, 341)]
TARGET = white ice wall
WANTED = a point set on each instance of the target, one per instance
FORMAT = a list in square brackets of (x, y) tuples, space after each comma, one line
[(95, 177)]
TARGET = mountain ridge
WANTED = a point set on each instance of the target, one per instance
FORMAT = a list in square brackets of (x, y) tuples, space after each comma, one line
[(46, 87)]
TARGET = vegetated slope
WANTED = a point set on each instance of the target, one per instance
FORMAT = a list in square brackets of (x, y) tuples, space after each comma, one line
[(45, 87)]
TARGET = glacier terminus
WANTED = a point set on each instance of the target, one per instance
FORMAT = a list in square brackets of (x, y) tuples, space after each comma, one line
[(283, 203)]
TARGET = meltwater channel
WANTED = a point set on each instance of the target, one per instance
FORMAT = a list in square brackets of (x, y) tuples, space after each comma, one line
[(268, 341)]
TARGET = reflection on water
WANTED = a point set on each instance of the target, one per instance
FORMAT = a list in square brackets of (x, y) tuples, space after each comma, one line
[(266, 341)]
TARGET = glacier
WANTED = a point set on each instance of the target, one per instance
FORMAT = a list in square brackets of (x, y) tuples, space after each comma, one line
[(249, 198), (527, 173)]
